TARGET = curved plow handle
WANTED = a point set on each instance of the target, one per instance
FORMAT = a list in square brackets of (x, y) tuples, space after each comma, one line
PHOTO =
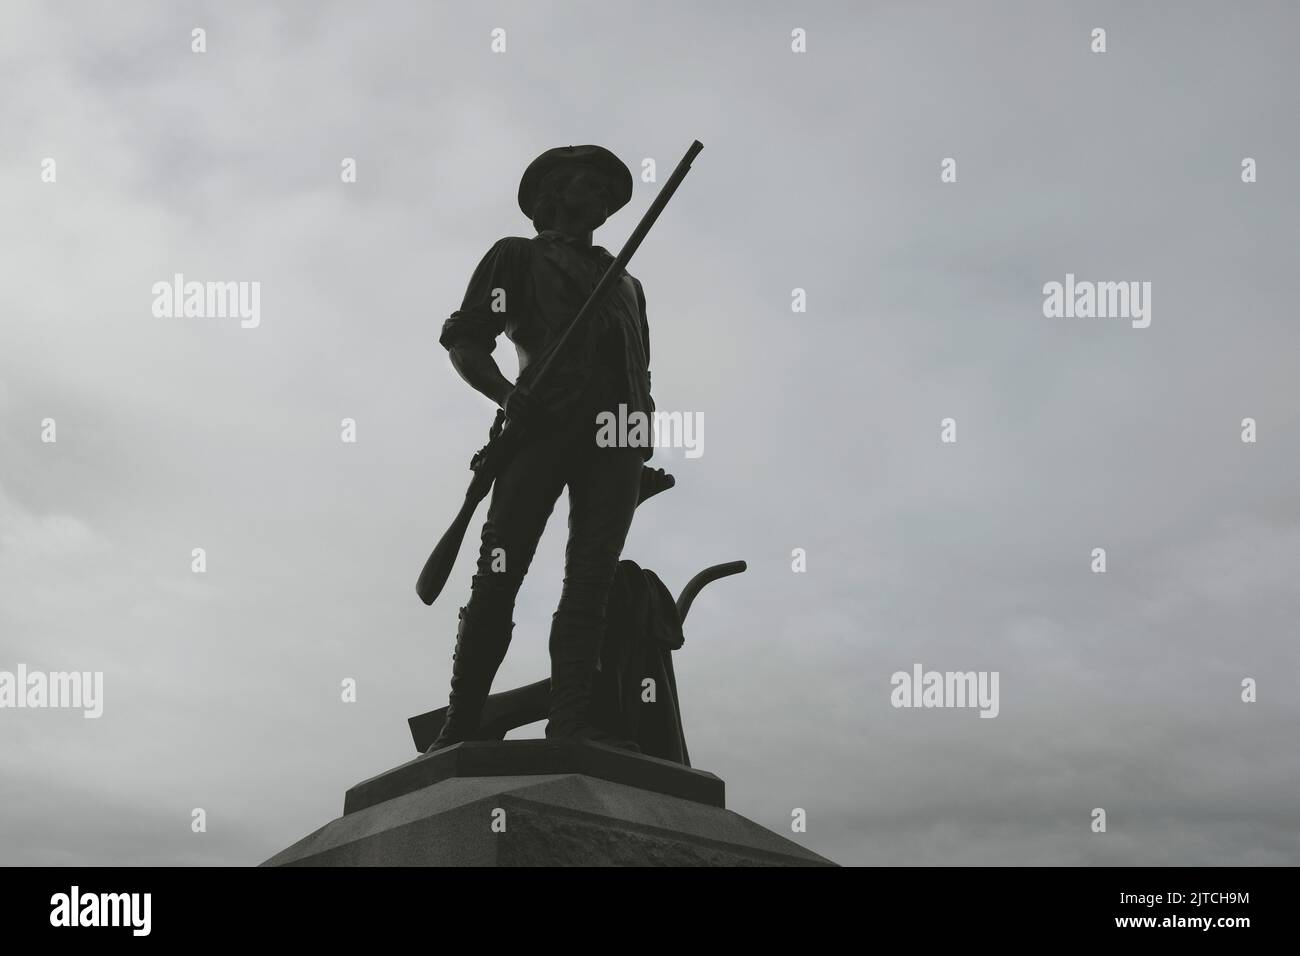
[(696, 584)]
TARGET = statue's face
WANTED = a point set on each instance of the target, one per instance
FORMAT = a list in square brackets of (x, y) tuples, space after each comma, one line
[(586, 198)]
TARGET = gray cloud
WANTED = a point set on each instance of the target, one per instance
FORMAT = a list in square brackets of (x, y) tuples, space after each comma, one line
[(820, 171)]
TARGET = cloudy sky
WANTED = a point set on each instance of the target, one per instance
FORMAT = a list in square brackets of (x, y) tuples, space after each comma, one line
[(924, 301)]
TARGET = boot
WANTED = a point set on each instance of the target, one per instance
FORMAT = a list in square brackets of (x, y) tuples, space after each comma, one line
[(480, 647), (575, 661)]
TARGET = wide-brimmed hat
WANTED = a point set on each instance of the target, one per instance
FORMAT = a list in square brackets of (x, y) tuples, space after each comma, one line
[(616, 172)]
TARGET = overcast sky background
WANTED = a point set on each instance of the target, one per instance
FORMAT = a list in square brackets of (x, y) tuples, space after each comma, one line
[(820, 171)]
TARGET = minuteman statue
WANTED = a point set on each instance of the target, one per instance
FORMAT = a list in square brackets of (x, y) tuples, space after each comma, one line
[(530, 289)]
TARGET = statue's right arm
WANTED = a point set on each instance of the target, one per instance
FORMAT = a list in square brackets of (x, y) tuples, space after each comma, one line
[(477, 367), (469, 335)]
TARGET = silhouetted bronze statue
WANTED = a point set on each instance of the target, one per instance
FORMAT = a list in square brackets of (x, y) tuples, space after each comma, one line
[(578, 323)]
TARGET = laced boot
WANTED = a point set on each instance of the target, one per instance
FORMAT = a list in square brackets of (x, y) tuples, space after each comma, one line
[(575, 660), (481, 645)]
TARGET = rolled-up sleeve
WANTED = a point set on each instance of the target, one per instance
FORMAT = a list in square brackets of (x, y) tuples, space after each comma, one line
[(498, 286)]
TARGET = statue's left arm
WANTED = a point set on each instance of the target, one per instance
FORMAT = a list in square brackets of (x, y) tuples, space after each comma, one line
[(645, 329)]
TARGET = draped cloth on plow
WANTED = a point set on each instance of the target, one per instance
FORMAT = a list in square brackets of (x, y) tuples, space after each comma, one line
[(642, 629)]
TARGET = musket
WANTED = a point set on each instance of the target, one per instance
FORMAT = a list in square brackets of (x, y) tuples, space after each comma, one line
[(506, 440)]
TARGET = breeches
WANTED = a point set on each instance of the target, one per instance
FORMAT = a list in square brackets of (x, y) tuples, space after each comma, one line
[(603, 488)]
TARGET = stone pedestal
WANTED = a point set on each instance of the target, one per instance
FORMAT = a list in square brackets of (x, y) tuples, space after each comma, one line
[(563, 804)]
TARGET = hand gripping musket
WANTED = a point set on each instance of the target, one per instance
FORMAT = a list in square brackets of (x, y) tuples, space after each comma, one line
[(505, 441)]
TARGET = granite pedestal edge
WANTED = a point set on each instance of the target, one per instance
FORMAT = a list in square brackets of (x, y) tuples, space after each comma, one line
[(564, 804)]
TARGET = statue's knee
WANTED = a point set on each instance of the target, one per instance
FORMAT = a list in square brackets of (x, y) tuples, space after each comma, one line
[(584, 598), (493, 595)]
